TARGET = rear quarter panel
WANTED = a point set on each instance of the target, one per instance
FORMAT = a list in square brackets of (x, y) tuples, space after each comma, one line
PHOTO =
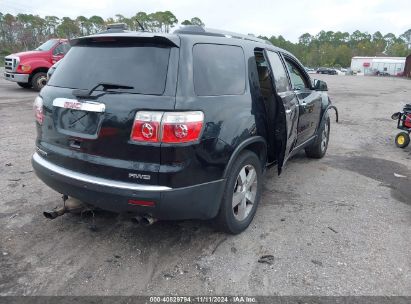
[(229, 120)]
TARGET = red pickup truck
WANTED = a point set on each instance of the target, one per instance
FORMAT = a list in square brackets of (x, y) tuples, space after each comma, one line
[(29, 69)]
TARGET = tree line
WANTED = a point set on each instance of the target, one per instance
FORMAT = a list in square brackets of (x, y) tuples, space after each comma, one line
[(27, 31), (327, 48), (335, 49)]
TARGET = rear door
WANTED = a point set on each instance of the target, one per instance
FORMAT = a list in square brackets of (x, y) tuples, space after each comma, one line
[(309, 101), (289, 111), (92, 134)]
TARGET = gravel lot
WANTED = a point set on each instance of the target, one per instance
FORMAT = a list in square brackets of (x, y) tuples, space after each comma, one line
[(337, 226)]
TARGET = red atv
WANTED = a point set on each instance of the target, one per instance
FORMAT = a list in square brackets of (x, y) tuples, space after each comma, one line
[(402, 139)]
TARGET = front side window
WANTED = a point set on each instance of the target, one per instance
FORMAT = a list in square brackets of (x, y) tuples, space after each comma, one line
[(61, 49), (296, 76), (218, 70)]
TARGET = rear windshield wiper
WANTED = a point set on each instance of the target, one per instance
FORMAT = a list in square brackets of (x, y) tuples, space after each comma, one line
[(107, 87)]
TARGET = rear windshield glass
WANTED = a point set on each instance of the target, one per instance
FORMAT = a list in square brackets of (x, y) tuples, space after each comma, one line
[(141, 66), (218, 70)]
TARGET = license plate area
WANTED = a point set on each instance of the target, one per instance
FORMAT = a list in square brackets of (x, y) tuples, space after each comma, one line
[(82, 122), (80, 119)]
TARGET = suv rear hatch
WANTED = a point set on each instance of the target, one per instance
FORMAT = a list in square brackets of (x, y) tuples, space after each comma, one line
[(91, 100)]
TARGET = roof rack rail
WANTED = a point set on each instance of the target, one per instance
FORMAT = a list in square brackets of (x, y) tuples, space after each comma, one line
[(198, 30)]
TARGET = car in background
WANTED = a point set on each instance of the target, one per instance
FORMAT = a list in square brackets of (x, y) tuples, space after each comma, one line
[(29, 69), (339, 72), (327, 71), (382, 73), (350, 72), (309, 70)]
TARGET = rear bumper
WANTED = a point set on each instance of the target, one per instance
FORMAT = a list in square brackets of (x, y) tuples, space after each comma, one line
[(195, 202), (15, 77)]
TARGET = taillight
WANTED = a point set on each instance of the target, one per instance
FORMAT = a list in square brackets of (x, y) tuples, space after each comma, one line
[(180, 127), (167, 127), (146, 126), (38, 109)]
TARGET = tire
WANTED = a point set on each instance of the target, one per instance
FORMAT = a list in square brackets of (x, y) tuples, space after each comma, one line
[(39, 80), (24, 85), (319, 147), (402, 140), (236, 219)]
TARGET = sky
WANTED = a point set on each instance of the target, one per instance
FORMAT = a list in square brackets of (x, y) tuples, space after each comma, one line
[(287, 18)]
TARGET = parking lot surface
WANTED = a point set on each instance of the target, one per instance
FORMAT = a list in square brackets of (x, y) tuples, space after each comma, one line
[(336, 226)]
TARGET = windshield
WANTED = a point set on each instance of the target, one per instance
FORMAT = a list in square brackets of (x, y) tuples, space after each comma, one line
[(141, 66), (46, 46)]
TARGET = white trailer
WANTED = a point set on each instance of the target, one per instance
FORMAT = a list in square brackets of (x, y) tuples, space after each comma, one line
[(370, 65)]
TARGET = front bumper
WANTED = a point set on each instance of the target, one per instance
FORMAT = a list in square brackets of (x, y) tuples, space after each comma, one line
[(195, 202), (15, 77)]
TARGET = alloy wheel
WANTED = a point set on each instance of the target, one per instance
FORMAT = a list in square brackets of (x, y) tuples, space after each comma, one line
[(245, 191), (324, 137)]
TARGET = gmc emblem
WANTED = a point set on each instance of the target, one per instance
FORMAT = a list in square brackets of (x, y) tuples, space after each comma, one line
[(72, 105)]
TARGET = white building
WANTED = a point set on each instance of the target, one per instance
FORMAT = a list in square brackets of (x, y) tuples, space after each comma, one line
[(370, 65)]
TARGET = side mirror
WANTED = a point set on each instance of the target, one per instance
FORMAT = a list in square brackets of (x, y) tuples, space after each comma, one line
[(320, 85)]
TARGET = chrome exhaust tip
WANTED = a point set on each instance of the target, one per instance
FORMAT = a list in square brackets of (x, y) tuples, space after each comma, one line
[(148, 220)]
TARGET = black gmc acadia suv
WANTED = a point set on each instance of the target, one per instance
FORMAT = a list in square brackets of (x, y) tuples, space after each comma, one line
[(175, 126)]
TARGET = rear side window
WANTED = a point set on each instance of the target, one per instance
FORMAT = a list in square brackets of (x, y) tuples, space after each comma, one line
[(141, 66), (281, 80), (218, 70)]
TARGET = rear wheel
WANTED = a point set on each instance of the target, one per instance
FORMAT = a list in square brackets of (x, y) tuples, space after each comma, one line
[(402, 140), (24, 85), (39, 80), (242, 194), (319, 147)]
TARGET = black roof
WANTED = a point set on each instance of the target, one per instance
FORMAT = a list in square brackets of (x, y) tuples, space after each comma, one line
[(198, 30), (119, 30)]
